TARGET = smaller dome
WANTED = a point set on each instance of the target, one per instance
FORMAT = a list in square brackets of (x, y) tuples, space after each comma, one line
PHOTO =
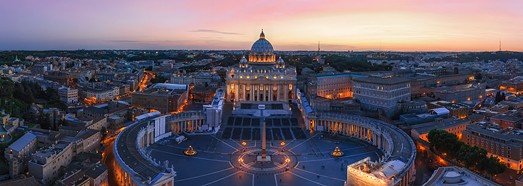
[(243, 60), (280, 60), (280, 63)]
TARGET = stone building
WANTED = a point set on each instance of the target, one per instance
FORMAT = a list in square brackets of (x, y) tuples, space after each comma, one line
[(261, 77), (381, 94)]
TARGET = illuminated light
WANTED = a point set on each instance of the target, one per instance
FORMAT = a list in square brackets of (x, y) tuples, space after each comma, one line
[(468, 99), (240, 160), (282, 143), (337, 152), (287, 160), (244, 143), (190, 151)]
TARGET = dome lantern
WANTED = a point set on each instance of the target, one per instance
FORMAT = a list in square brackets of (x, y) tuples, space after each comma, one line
[(262, 35)]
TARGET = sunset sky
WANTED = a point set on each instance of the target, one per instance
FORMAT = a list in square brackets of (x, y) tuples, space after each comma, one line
[(400, 25)]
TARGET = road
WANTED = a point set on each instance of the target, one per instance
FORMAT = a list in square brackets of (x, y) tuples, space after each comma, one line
[(108, 156), (109, 161)]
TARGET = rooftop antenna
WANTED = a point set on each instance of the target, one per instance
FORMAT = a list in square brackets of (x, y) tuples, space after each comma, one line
[(318, 47)]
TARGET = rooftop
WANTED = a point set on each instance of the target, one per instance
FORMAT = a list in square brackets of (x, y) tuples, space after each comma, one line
[(382, 81), (338, 75), (494, 130), (440, 124), (19, 144), (127, 153), (165, 89), (96, 171), (456, 176), (507, 117)]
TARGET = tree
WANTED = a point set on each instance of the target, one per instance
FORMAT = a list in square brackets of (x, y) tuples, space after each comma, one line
[(497, 99), (7, 86), (492, 165), (478, 76), (103, 132), (472, 157), (444, 141)]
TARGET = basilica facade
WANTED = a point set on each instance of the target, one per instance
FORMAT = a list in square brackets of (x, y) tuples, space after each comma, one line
[(261, 77)]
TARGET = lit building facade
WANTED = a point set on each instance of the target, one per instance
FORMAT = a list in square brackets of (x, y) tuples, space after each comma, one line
[(261, 77), (395, 167), (163, 97), (334, 86), (381, 94), (460, 93), (451, 125), (505, 144), (513, 86), (68, 95)]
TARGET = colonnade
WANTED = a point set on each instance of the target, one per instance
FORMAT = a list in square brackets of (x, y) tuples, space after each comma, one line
[(391, 140), (260, 92)]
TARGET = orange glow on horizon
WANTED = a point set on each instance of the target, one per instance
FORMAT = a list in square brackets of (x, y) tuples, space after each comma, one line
[(290, 25)]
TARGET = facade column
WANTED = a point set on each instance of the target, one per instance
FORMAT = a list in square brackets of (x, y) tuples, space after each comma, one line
[(380, 141), (280, 90), (252, 93), (244, 92), (257, 92), (270, 93), (360, 132), (264, 92), (236, 89), (373, 138), (286, 92)]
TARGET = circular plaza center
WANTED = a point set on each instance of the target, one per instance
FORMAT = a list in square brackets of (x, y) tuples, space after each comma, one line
[(234, 156)]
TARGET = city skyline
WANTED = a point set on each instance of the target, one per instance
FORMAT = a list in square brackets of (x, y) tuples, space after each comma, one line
[(295, 25)]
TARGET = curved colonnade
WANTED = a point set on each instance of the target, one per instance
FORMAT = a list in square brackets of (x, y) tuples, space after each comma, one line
[(133, 165), (398, 148)]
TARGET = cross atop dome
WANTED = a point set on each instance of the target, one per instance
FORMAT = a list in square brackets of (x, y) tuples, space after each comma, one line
[(262, 35)]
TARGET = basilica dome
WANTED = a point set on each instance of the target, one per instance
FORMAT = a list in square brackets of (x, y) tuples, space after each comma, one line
[(262, 51), (262, 45)]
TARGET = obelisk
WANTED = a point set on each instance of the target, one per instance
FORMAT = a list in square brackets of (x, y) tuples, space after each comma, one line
[(263, 133)]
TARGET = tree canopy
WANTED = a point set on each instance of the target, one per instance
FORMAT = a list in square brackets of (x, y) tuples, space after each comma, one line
[(472, 157)]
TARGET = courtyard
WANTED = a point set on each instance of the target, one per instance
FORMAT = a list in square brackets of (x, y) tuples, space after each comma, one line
[(216, 161)]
